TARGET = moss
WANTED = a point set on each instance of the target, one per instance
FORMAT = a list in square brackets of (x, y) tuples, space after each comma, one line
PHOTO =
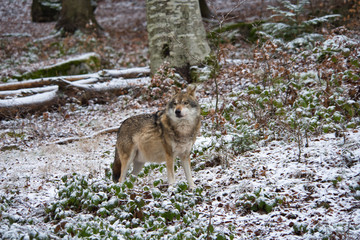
[(247, 30), (81, 65)]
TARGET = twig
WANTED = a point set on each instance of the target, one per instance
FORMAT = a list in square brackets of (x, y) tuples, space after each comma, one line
[(73, 139)]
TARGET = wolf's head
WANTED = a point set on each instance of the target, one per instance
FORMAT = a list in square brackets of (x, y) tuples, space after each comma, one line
[(184, 106)]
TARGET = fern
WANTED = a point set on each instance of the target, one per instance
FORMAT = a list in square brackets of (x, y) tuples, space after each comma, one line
[(290, 27)]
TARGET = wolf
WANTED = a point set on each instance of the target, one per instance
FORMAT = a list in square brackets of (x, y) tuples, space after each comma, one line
[(159, 137)]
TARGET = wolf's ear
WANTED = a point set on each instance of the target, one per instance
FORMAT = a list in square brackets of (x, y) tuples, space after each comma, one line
[(191, 89)]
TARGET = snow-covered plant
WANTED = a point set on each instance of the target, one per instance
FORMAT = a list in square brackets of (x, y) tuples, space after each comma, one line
[(290, 26), (283, 103), (244, 136), (104, 210), (355, 190), (259, 201), (300, 229)]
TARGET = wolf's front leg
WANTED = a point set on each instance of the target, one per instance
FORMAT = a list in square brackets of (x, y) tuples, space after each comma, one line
[(170, 169), (187, 169)]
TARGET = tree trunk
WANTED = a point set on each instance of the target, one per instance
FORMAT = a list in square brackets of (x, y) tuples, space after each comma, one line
[(45, 10), (77, 15), (176, 35), (204, 9)]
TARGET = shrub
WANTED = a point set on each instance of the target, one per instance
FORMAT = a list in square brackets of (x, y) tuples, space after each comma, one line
[(291, 27), (259, 201), (290, 101)]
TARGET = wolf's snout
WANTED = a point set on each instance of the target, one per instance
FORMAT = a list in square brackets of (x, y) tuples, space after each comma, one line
[(178, 112)]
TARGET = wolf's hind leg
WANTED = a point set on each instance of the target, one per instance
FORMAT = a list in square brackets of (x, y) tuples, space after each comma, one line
[(121, 165), (116, 168), (127, 160), (137, 167)]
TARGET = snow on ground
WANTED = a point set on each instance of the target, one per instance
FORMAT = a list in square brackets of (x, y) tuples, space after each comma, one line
[(316, 188), (318, 191), (317, 195)]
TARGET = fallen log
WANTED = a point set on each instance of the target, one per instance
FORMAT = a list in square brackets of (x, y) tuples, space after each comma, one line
[(10, 108), (35, 83), (102, 91), (103, 75), (31, 91), (26, 91), (113, 85), (128, 73), (83, 92)]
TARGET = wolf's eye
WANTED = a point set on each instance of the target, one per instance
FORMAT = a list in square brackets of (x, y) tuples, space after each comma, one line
[(186, 103)]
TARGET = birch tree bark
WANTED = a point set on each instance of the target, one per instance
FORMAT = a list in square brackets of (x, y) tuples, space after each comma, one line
[(176, 34)]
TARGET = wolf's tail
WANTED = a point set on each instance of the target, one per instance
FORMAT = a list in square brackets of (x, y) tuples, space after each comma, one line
[(116, 167)]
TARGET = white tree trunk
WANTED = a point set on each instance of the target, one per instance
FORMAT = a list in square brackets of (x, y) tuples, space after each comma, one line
[(176, 33)]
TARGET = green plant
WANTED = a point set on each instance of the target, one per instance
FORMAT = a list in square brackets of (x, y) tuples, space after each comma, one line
[(102, 209), (150, 167), (293, 105), (336, 181), (355, 190), (300, 229), (244, 137), (292, 26), (259, 201)]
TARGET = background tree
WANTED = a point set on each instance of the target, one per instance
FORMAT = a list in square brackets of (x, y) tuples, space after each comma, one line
[(45, 10), (77, 15), (205, 10), (176, 35)]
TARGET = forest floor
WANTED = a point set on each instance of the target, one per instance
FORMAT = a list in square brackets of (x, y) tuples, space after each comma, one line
[(246, 189)]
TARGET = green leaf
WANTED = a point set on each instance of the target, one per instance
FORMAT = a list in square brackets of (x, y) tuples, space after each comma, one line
[(157, 182), (211, 228), (268, 208)]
